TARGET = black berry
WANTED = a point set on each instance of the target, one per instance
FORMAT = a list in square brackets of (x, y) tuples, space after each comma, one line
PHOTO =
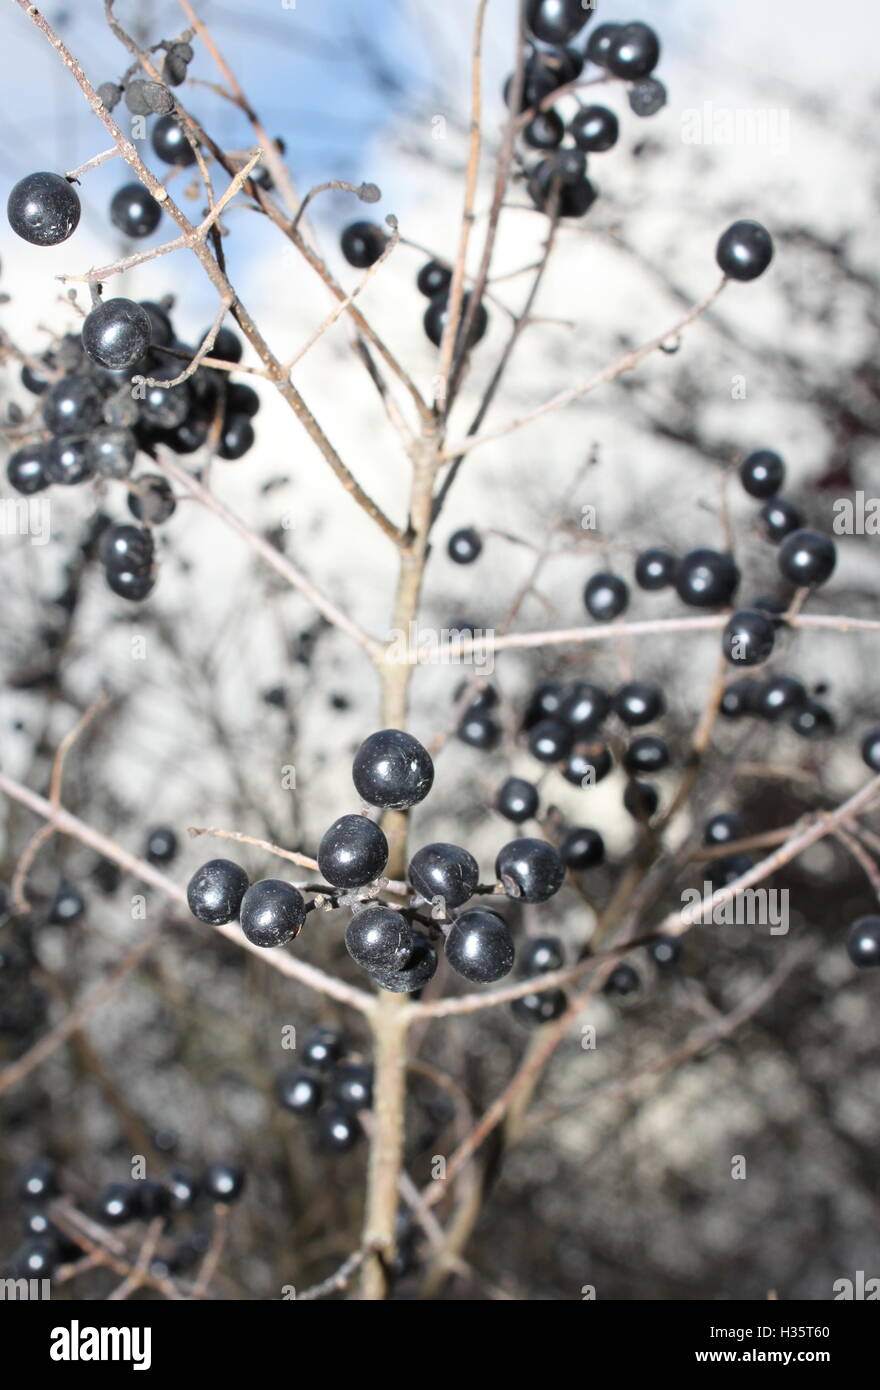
[(134, 211), (582, 848), (748, 638), (299, 1091), (378, 938), (706, 579), (479, 946), (762, 473), (391, 769), (272, 912), (530, 870), (464, 546), (807, 558), (363, 243), (517, 800), (637, 703), (863, 941), (744, 251), (446, 871), (43, 209), (606, 596), (353, 852)]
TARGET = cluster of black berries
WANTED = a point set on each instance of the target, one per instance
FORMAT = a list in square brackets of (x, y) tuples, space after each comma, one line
[(97, 416), (394, 945), (362, 245), (563, 725), (330, 1088), (558, 182), (184, 1191)]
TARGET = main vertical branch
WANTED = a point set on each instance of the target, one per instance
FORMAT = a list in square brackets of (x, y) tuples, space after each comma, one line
[(391, 1017)]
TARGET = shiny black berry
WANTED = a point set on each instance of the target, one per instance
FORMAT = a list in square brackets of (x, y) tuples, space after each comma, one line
[(637, 703), (545, 131), (352, 852), (633, 52), (480, 730), (38, 1181), (666, 950), (446, 871), (161, 845), (863, 941), (437, 313), (606, 596), (479, 946), (813, 720), (550, 740), (582, 848), (224, 1182), (271, 913), (236, 438), (599, 43), (807, 558), (324, 1047), (587, 764), (748, 638), (126, 547), (744, 251), (646, 754), (624, 979), (67, 461), (762, 473), (68, 905), (26, 469), (434, 279), (351, 1086), (556, 21), (871, 749), (299, 1091), (530, 870), (378, 938), (43, 209), (545, 702), (540, 954), (538, 1008), (393, 770), (336, 1130), (779, 518), (706, 578), (363, 243), (134, 211), (117, 1204), (720, 829), (778, 696), (134, 585), (73, 405), (655, 569), (465, 546), (517, 800), (584, 708), (594, 128), (170, 142)]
